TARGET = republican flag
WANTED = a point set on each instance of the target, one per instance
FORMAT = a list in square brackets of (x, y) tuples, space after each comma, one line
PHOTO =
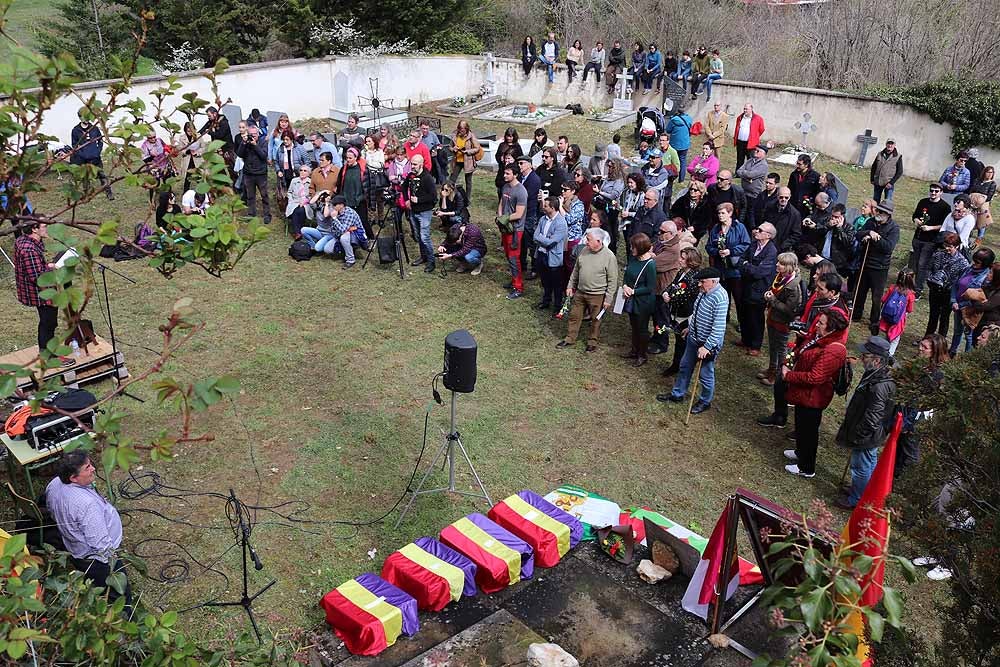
[(706, 583), (868, 531)]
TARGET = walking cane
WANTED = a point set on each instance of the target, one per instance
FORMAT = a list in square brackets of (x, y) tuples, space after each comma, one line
[(857, 288), (694, 390), (843, 478)]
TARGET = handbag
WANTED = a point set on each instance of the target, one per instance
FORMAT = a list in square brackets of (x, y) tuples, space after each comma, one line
[(626, 302)]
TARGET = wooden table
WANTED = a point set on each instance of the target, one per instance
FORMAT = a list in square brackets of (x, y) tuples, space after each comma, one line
[(96, 361)]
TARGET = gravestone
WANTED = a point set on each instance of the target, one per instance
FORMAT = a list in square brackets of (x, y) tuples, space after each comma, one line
[(272, 119), (341, 92), (234, 114), (865, 140), (805, 126), (842, 191)]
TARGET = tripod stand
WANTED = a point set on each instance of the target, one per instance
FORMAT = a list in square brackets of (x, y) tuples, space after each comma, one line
[(397, 220), (451, 439), (241, 526), (111, 327)]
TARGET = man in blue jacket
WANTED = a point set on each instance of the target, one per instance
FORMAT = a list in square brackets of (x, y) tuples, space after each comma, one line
[(679, 128), (88, 143)]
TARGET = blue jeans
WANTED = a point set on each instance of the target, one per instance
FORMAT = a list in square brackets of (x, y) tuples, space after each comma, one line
[(321, 241), (708, 85), (472, 258), (960, 332), (549, 66), (862, 466), (880, 192), (682, 155), (706, 378), (420, 223)]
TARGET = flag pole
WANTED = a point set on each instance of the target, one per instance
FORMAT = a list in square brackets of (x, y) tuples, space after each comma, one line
[(728, 550)]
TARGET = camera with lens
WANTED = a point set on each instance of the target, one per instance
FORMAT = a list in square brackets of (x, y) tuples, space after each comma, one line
[(799, 327)]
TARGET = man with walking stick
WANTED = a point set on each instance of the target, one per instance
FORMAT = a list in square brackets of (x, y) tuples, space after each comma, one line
[(878, 237), (703, 342)]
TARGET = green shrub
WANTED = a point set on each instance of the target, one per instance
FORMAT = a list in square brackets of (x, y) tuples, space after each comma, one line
[(971, 107), (455, 39)]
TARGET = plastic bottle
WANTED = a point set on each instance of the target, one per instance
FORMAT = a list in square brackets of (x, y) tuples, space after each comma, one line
[(76, 348)]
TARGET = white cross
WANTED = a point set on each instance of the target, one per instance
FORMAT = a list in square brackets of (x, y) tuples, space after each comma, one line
[(805, 126)]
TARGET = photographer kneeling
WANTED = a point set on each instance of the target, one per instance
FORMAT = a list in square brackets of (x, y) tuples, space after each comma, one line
[(464, 243), (339, 224)]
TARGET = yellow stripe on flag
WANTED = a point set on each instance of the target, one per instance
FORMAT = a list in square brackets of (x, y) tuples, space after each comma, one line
[(389, 616), (492, 546), (542, 520), (453, 575)]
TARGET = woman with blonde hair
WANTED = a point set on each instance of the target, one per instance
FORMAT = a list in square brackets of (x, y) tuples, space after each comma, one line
[(783, 300), (467, 151), (865, 213), (454, 206)]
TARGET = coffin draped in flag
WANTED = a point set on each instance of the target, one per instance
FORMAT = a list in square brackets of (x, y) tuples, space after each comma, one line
[(592, 510), (501, 557), (706, 581), (550, 531), (431, 572), (369, 614)]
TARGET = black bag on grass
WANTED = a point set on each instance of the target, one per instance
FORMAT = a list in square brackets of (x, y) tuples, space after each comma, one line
[(300, 251)]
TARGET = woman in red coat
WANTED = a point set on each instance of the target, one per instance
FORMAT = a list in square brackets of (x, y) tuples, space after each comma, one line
[(815, 363)]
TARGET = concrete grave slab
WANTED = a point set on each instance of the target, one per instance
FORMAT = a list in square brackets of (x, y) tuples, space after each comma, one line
[(540, 118), (234, 114)]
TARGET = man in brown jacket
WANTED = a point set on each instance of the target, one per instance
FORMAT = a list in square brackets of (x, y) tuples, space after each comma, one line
[(591, 286), (668, 262)]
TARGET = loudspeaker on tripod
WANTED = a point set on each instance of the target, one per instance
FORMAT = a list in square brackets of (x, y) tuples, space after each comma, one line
[(460, 362)]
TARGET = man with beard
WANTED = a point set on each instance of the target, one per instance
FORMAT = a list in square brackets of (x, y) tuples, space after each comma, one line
[(887, 168), (804, 184), (929, 215), (876, 241), (88, 144), (218, 129), (867, 421)]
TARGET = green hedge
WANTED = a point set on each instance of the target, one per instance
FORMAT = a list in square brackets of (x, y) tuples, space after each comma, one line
[(971, 107)]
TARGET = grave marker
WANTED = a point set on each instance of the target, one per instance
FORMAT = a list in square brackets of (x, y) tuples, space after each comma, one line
[(866, 140), (805, 126)]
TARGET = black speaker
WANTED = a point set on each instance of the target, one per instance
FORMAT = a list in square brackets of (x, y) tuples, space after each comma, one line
[(460, 362)]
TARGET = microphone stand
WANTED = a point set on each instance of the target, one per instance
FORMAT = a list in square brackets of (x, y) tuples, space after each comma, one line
[(243, 535), (111, 327)]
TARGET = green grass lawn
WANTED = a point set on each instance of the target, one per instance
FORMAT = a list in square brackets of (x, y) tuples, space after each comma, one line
[(336, 369)]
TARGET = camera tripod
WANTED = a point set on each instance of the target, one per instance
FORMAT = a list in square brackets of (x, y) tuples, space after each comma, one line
[(397, 220)]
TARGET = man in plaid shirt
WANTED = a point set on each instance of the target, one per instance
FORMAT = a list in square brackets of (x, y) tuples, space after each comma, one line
[(29, 263)]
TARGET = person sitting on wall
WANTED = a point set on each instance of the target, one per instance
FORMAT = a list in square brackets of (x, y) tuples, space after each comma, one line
[(464, 244)]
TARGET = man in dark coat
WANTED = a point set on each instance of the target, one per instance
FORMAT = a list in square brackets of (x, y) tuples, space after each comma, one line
[(876, 241), (88, 144), (804, 184), (786, 220), (868, 418)]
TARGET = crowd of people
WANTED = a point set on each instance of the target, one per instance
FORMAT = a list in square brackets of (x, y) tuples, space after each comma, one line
[(646, 66), (738, 255)]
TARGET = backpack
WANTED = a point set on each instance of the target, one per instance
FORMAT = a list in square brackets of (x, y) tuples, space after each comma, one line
[(300, 251), (17, 422), (72, 400), (894, 307), (844, 379)]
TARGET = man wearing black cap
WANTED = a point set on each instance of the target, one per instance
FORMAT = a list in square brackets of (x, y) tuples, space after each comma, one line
[(928, 216), (703, 341), (886, 170), (532, 184), (869, 417), (876, 241)]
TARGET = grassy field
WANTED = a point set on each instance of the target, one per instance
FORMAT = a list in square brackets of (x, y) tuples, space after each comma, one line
[(336, 368)]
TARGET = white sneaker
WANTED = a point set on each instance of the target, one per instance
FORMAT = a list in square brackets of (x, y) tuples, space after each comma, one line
[(939, 574), (924, 561), (794, 469), (790, 455), (479, 269)]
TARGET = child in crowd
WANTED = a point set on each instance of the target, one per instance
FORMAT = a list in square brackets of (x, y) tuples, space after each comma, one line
[(897, 303)]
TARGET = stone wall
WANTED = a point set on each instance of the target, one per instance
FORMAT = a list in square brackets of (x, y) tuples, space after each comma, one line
[(311, 88)]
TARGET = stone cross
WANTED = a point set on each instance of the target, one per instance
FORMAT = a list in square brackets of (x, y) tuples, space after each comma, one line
[(805, 126), (866, 140)]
